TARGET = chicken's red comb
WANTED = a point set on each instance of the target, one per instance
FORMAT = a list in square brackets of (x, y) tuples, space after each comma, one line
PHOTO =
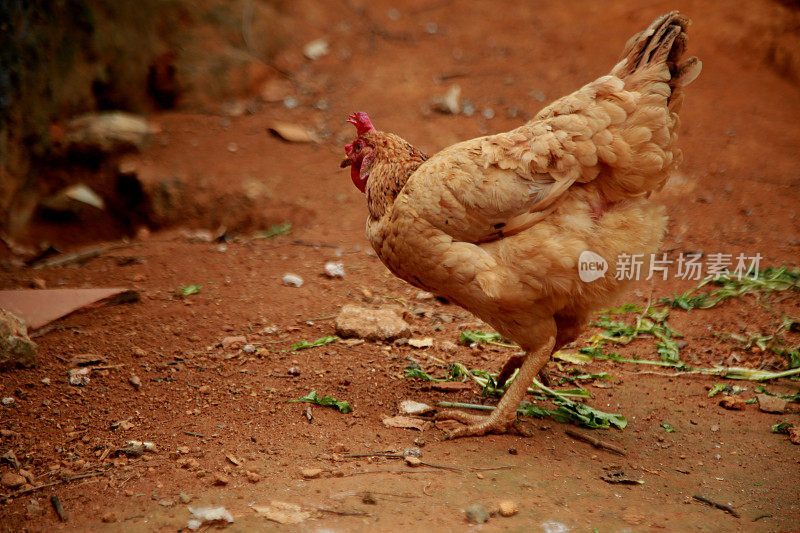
[(361, 121)]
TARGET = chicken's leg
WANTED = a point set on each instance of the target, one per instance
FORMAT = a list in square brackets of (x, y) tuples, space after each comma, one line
[(504, 416)]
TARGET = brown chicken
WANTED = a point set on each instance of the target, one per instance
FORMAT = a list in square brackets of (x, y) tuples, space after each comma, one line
[(497, 224)]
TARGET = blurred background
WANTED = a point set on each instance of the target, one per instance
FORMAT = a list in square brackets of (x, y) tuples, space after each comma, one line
[(233, 110)]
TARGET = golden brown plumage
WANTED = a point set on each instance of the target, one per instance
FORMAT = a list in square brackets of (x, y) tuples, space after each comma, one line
[(497, 223)]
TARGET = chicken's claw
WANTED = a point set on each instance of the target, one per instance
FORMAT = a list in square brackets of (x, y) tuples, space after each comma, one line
[(477, 425)]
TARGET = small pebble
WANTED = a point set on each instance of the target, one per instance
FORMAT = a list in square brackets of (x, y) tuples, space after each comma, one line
[(508, 508), (334, 270), (292, 280), (311, 473), (412, 461)]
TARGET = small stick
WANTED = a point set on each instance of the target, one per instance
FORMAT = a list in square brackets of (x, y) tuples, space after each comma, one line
[(597, 443), (443, 467), (720, 506), (476, 469), (354, 512), (195, 434), (59, 507), (401, 456), (54, 483), (385, 471)]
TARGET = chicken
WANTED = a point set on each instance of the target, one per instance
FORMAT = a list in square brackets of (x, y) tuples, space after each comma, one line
[(497, 224)]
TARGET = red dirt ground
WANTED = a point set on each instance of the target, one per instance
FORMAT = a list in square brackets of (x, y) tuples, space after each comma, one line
[(737, 192)]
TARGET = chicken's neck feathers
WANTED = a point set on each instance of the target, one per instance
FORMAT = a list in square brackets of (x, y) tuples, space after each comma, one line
[(395, 161)]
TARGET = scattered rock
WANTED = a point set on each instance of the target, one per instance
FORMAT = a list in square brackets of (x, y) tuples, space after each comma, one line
[(334, 270), (412, 461), (292, 280), (293, 133), (11, 458), (619, 476), (449, 102), (109, 517), (282, 512), (220, 479), (311, 473), (27, 474), (234, 341), (108, 133), (189, 463), (371, 324), (794, 435), (135, 382), (427, 342), (410, 407), (73, 199), (7, 400), (448, 346), (138, 352), (368, 499), (16, 348), (79, 376), (184, 498), (424, 295), (253, 477), (208, 515), (412, 452), (34, 509), (508, 508), (340, 447), (316, 49), (406, 422), (734, 403), (771, 404), (476, 514), (88, 359), (12, 480)]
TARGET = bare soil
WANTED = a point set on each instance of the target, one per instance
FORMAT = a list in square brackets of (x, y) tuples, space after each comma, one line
[(737, 192)]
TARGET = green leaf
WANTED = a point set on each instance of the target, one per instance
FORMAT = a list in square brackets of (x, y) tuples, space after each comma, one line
[(584, 377), (468, 337), (624, 308), (304, 345), (586, 416), (794, 358), (325, 401), (274, 231), (188, 290), (528, 409), (418, 373), (668, 350), (782, 427), (716, 389)]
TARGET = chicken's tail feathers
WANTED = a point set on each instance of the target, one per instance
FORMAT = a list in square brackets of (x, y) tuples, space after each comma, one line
[(663, 43)]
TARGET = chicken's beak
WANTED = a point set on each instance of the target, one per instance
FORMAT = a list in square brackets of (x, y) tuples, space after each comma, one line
[(348, 149)]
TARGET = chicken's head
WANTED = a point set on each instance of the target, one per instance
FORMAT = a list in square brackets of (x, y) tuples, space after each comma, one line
[(361, 152)]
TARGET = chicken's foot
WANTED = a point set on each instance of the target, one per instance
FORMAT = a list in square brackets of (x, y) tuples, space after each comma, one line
[(504, 418)]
